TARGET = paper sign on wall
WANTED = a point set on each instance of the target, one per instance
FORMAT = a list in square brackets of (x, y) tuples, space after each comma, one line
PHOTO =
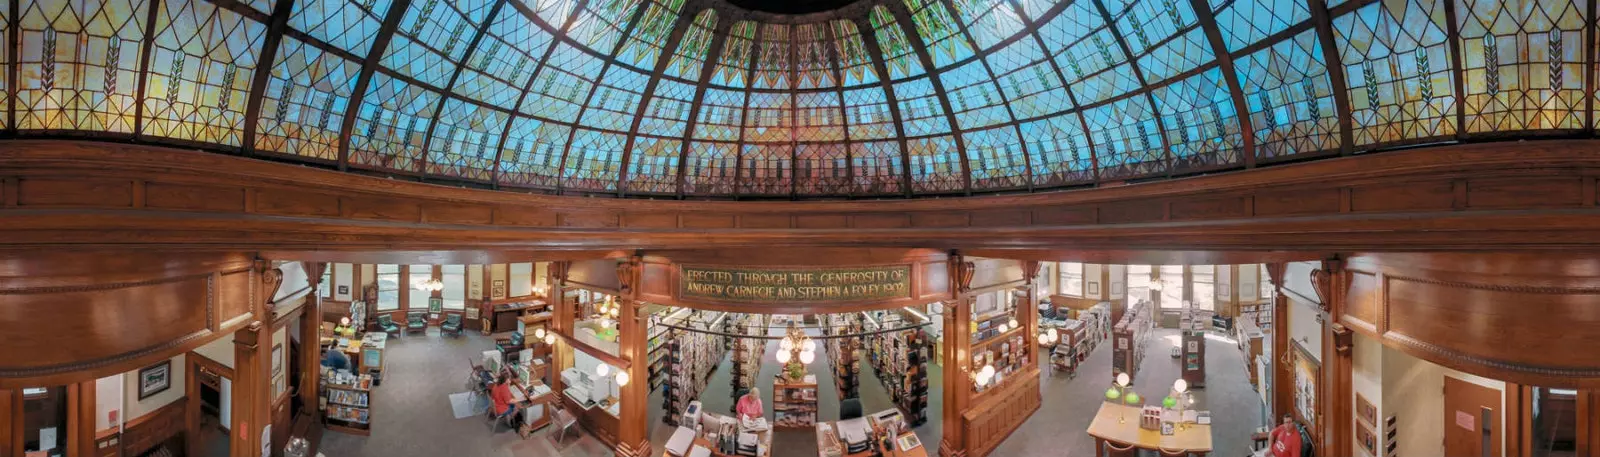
[(47, 438), (1465, 421)]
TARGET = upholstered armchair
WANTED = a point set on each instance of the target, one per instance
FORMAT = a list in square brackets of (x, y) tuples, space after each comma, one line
[(389, 326), (417, 322), (451, 325)]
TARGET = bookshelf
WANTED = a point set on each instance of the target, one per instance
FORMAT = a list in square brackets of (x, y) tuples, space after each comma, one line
[(347, 407), (900, 359), (747, 352), (843, 360), (1192, 324), (692, 357), (1129, 337), (794, 403)]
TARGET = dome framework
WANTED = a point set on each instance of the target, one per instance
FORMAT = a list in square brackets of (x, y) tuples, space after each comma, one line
[(879, 98)]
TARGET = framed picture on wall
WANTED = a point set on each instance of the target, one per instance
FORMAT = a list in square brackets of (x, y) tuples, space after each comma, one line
[(1094, 288), (1365, 411), (277, 359), (1368, 440), (435, 305), (344, 290), (1306, 372), (155, 379), (497, 288)]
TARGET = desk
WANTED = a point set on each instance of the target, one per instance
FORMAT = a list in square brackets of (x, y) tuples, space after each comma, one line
[(1192, 438), (600, 422), (828, 431), (540, 395)]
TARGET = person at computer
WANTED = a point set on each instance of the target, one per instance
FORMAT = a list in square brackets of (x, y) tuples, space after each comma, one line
[(749, 406), (335, 359), (500, 396), (1284, 441)]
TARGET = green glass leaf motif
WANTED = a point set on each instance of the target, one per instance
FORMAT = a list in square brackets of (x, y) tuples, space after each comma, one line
[(327, 112), (1138, 29), (173, 81), (113, 56), (1313, 109), (422, 19), (1222, 128), (455, 38), (1267, 112), (47, 70), (1172, 14), (1426, 73), (1105, 51), (1372, 83), (1491, 65), (283, 100), (1555, 59)]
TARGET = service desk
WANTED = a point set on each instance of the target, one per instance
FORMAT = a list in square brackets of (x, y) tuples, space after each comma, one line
[(535, 398), (600, 421), (1119, 424), (830, 445), (712, 423)]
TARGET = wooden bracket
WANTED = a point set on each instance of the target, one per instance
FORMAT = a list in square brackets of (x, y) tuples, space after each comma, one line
[(961, 272), (1343, 339)]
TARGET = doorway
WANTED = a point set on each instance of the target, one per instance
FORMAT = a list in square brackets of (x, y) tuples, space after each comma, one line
[(1472, 419), (210, 388)]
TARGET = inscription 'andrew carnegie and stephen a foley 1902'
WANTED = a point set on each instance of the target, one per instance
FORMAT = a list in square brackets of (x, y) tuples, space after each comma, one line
[(838, 284)]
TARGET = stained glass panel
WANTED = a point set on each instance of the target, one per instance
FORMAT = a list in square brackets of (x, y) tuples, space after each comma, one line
[(5, 59), (1201, 122), (814, 62), (79, 65), (1291, 102), (996, 159), (600, 24), (721, 115), (1127, 139), (733, 64), (1059, 151), (614, 103), (508, 56), (1244, 22), (877, 167), (559, 89), (768, 118), (200, 72), (920, 110), (855, 64), (766, 169), (654, 165), (389, 128), (1396, 62), (939, 32), (898, 54), (935, 164), (1028, 81), (772, 70), (645, 44), (1523, 64), (822, 169), (711, 168), (668, 112), (818, 117), (307, 96), (346, 24), (531, 155), (433, 37), (593, 161), (867, 113), (692, 52), (464, 141)]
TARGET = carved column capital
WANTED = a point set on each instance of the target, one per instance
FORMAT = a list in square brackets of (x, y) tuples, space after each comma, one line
[(1329, 282), (628, 275), (1030, 270), (1343, 339), (961, 272)]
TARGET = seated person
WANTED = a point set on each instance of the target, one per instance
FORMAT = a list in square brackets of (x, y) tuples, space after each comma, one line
[(749, 406), (1284, 441), (336, 360), (500, 395)]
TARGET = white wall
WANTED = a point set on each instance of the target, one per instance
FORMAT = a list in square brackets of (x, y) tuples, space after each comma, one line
[(1303, 326), (137, 408), (1297, 279), (343, 274), (226, 397), (220, 350), (1413, 392), (497, 270), (1366, 379), (108, 398), (294, 280), (1119, 281)]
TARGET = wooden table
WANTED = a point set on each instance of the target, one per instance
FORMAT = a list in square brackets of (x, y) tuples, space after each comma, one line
[(1189, 438)]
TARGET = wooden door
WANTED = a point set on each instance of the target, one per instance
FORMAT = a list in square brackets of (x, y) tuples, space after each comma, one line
[(1471, 419)]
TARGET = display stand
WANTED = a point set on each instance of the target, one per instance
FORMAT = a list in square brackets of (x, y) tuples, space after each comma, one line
[(347, 408), (1193, 324), (794, 403)]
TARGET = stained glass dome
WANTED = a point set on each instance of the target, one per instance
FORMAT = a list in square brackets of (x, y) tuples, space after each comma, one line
[(870, 98)]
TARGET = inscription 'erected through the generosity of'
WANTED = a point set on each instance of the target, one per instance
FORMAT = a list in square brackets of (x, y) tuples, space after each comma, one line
[(785, 285)]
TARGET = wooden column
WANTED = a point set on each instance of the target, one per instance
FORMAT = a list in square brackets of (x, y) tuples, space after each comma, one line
[(957, 358), (10, 422), (310, 342), (80, 418), (561, 323), (1331, 282), (1282, 395), (1028, 314), (633, 438), (252, 368)]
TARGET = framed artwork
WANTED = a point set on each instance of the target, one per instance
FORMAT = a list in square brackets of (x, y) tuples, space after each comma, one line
[(1306, 373), (1094, 288), (277, 359), (155, 379), (344, 290), (497, 288), (1365, 411), (1368, 440), (435, 305)]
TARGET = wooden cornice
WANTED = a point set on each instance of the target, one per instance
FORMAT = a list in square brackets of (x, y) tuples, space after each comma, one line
[(1523, 195)]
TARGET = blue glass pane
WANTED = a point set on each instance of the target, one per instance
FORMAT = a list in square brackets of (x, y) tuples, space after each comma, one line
[(973, 96), (668, 113), (1059, 150), (920, 110), (939, 32), (433, 37), (766, 169), (1395, 60), (898, 54), (710, 168), (877, 167), (531, 154), (594, 161), (818, 117), (691, 53), (560, 88), (465, 140), (721, 115), (1127, 139), (1201, 122), (507, 56), (615, 101), (855, 63), (996, 159), (644, 45), (307, 96), (79, 64), (1244, 22), (935, 164), (821, 168), (389, 128), (1028, 80), (200, 69), (768, 118), (866, 110), (733, 64), (653, 168), (1291, 101), (346, 24)]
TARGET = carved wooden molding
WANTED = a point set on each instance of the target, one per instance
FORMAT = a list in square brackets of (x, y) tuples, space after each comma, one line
[(1446, 356), (1030, 270), (950, 450), (1275, 272), (634, 450), (101, 362), (558, 270), (1343, 339), (627, 275), (961, 273), (1329, 282)]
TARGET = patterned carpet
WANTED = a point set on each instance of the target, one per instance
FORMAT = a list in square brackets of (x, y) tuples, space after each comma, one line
[(412, 415)]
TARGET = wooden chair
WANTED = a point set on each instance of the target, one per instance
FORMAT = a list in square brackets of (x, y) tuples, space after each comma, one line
[(451, 325), (1113, 451), (389, 326), (563, 421), (417, 322), (1169, 453)]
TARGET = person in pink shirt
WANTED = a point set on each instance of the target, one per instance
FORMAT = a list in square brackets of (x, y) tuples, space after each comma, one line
[(749, 406)]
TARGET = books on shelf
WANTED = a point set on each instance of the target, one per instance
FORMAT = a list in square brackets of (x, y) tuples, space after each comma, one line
[(794, 403)]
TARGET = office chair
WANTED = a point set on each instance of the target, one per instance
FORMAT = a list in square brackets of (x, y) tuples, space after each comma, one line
[(850, 408)]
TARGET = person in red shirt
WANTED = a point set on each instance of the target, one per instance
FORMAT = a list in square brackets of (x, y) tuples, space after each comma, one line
[(1284, 441), (500, 395)]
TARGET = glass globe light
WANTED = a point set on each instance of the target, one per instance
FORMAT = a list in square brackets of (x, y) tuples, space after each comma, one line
[(603, 369), (550, 338), (1044, 339), (1123, 380), (1180, 385), (1013, 322), (622, 378), (810, 345), (807, 356), (1112, 393), (785, 345), (783, 356), (1054, 335), (538, 334), (1003, 328)]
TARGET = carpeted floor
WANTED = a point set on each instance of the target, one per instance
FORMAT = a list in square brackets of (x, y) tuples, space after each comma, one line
[(1070, 403), (413, 415)]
